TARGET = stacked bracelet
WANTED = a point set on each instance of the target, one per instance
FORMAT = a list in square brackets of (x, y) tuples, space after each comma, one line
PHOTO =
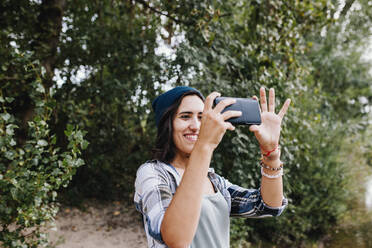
[(271, 176), (263, 165)]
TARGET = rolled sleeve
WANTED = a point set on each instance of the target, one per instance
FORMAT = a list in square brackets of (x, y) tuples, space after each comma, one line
[(152, 197), (267, 211), (249, 203)]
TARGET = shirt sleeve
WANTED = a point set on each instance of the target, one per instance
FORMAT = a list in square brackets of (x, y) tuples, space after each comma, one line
[(152, 197), (249, 203)]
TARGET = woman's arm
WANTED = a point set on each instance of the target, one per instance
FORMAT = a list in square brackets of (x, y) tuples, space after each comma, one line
[(272, 188), (182, 216), (268, 134)]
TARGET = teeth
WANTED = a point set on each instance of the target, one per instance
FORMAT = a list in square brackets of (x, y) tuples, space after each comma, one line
[(192, 137)]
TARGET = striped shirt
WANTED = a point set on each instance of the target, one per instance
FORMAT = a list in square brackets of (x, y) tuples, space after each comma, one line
[(156, 183)]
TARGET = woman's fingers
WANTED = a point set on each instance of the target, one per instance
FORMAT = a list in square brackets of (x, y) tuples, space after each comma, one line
[(209, 100), (272, 100), (229, 126), (216, 112), (284, 109), (230, 114), (223, 104), (263, 99)]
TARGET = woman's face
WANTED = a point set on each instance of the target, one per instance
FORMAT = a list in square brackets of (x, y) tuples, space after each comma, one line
[(186, 123)]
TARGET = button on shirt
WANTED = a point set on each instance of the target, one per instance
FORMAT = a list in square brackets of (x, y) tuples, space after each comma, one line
[(156, 183)]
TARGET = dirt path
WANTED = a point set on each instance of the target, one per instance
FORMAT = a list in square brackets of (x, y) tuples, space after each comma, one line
[(98, 226)]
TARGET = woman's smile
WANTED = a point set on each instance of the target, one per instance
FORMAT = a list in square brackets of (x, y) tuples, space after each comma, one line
[(191, 137)]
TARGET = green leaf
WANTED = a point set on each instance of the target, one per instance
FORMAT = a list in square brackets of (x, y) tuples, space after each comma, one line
[(40, 88), (42, 142), (54, 195), (84, 144), (70, 127), (5, 116), (9, 99), (12, 142), (79, 162), (54, 140), (14, 193)]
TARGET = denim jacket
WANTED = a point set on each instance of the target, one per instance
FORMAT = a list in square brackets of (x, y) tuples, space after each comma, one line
[(156, 183)]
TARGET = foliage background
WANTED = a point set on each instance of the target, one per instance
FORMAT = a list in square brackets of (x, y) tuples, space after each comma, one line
[(103, 62)]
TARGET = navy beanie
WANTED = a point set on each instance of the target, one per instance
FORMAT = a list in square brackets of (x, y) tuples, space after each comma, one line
[(165, 100)]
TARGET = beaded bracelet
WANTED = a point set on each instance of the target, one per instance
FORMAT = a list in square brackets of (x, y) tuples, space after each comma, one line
[(271, 176), (263, 165)]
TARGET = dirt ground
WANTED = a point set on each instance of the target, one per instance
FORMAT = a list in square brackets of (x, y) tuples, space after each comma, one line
[(111, 225)]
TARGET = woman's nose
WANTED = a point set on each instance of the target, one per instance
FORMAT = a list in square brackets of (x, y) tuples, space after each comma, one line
[(195, 123)]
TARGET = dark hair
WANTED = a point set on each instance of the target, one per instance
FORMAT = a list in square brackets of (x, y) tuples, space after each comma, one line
[(165, 150)]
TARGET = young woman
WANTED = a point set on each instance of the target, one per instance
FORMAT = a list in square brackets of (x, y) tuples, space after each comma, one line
[(183, 202)]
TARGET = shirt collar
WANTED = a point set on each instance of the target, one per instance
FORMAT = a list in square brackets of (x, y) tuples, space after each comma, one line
[(172, 170)]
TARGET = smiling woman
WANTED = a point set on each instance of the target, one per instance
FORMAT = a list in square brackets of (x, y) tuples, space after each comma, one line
[(183, 202)]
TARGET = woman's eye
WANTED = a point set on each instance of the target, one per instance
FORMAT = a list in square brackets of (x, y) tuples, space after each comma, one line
[(185, 116)]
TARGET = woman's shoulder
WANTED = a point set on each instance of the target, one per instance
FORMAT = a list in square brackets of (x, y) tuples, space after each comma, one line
[(147, 164), (151, 167), (152, 173)]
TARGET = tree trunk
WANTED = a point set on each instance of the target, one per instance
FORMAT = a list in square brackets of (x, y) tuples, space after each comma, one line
[(49, 29)]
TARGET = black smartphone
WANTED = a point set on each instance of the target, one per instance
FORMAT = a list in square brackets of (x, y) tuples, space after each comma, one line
[(250, 111)]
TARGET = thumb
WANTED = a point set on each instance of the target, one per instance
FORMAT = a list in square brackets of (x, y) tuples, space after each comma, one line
[(253, 128)]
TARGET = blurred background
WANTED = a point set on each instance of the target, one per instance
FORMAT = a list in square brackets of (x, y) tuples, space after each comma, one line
[(76, 83)]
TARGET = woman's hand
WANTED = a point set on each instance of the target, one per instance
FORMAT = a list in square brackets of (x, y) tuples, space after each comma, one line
[(268, 132), (213, 123)]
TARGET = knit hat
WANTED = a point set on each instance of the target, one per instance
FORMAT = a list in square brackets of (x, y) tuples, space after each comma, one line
[(165, 100)]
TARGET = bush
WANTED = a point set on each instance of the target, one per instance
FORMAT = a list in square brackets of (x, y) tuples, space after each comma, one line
[(32, 167)]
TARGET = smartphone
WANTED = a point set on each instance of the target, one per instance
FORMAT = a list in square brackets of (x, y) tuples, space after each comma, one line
[(250, 111)]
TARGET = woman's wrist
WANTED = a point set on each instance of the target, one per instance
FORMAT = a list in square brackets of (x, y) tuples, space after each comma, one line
[(263, 165), (275, 155), (272, 169), (204, 147), (271, 174), (272, 163), (267, 150)]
